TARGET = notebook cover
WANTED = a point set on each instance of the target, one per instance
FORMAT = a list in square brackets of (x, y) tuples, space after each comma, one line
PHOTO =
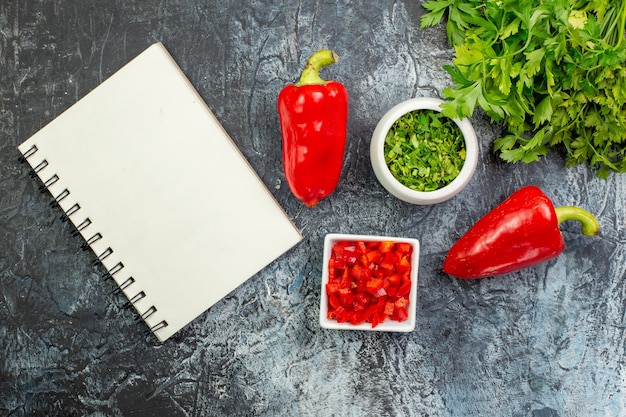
[(160, 192)]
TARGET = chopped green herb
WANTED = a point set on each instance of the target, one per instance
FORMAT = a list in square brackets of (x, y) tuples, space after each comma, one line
[(424, 150)]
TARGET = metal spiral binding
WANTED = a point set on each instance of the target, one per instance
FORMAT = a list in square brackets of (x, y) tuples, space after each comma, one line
[(139, 296), (59, 198), (109, 274), (30, 151), (48, 183), (147, 314), (120, 288), (38, 168), (81, 227), (107, 252), (66, 216), (93, 239), (161, 325)]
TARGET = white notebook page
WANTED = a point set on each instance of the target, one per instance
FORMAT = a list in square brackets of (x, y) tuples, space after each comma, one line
[(166, 188)]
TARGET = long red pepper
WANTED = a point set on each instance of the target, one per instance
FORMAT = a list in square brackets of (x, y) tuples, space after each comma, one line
[(520, 232), (313, 120)]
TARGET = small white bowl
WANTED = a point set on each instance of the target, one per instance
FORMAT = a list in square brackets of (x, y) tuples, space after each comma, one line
[(388, 325), (399, 190)]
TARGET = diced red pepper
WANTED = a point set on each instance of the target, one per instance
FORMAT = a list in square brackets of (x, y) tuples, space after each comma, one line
[(360, 272), (373, 285), (386, 246), (346, 297), (332, 288), (376, 319), (401, 314), (331, 267), (373, 256), (390, 261), (404, 289), (404, 265), (356, 319), (402, 302), (333, 301), (395, 280), (389, 308), (369, 281), (345, 279), (339, 264), (363, 298), (404, 247), (340, 314), (381, 292)]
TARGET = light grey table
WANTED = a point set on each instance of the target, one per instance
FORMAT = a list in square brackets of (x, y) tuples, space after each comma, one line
[(547, 341)]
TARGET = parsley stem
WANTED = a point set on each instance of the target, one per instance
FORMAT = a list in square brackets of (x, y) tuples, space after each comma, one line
[(622, 25)]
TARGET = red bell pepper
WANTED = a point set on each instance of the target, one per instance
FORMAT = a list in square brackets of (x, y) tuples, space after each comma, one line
[(520, 232), (313, 117)]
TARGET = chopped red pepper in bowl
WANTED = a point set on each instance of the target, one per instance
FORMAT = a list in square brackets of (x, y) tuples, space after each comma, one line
[(369, 283)]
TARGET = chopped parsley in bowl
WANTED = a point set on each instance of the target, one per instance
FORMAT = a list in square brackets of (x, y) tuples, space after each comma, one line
[(424, 150), (422, 156)]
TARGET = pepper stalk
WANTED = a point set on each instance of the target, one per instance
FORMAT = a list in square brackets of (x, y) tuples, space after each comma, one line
[(589, 225), (320, 59)]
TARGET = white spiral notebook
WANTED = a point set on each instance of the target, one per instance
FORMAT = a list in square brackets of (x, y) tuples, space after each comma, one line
[(159, 192)]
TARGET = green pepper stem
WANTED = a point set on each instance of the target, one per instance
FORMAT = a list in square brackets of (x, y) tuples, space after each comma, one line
[(589, 225), (317, 61)]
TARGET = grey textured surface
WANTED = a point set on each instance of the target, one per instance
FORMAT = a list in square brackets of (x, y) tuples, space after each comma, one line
[(547, 341)]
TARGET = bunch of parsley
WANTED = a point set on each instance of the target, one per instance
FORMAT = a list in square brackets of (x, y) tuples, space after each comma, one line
[(554, 72)]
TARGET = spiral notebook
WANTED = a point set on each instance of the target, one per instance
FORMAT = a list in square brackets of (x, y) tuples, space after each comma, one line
[(159, 192)]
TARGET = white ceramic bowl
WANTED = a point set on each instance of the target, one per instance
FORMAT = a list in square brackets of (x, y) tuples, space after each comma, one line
[(388, 325), (402, 192)]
